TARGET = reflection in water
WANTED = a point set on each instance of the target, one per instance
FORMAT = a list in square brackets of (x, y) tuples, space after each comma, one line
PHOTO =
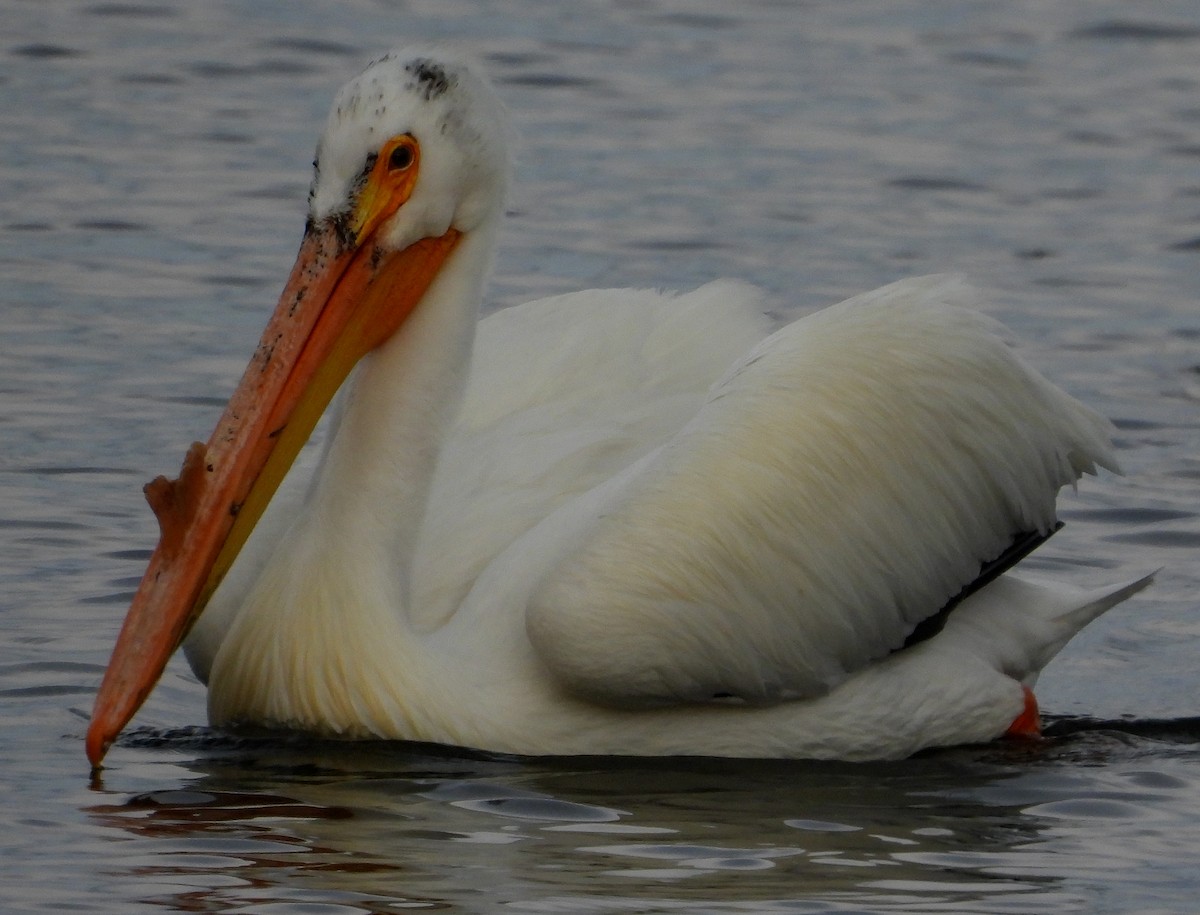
[(374, 827)]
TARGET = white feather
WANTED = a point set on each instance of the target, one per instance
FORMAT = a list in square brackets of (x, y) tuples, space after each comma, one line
[(844, 480), (650, 527)]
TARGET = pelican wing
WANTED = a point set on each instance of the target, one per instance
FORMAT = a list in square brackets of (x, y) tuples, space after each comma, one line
[(563, 394), (839, 485)]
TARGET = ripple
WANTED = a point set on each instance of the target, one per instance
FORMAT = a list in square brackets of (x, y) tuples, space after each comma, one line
[(140, 554), (1129, 424), (1184, 730), (517, 804), (39, 692), (110, 225), (1131, 30), (608, 828), (674, 244), (48, 471), (820, 826), (223, 806), (704, 21), (989, 59), (50, 667), (41, 524), (1158, 781), (689, 859), (1090, 808), (1175, 539), (46, 51), (934, 183), (305, 45), (130, 11), (1034, 254), (550, 81), (545, 809), (1130, 514)]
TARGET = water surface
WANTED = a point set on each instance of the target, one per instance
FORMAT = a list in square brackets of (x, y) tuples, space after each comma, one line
[(154, 161)]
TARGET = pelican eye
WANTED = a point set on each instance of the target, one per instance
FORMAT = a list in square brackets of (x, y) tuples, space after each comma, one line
[(401, 158)]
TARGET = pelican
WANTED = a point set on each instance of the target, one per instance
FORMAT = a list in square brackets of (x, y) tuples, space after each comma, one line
[(610, 522)]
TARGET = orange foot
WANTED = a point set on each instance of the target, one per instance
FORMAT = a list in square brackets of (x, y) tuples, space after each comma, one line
[(1028, 724)]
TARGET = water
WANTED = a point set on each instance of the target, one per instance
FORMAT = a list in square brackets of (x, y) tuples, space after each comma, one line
[(153, 165)]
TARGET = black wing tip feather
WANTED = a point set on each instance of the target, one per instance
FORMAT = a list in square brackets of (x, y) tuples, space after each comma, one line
[(1021, 546)]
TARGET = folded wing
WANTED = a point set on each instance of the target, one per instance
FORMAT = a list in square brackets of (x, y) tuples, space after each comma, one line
[(843, 481)]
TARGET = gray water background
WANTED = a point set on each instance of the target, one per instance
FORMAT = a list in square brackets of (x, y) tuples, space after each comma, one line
[(154, 159)]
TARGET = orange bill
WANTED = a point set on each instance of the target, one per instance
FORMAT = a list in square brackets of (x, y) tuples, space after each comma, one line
[(345, 296)]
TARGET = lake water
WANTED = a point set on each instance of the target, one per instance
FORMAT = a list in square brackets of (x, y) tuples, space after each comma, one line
[(154, 159)]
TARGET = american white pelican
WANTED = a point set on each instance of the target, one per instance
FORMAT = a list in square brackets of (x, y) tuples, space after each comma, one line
[(633, 523)]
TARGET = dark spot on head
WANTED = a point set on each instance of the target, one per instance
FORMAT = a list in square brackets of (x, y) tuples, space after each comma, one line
[(341, 227), (360, 180), (340, 222), (429, 77)]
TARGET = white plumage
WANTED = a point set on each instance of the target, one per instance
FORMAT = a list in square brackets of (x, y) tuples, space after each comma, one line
[(638, 523)]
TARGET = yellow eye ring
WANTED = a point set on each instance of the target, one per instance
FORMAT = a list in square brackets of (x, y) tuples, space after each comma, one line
[(388, 184)]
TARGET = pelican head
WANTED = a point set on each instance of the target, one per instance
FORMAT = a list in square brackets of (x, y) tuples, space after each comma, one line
[(415, 145), (412, 161)]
